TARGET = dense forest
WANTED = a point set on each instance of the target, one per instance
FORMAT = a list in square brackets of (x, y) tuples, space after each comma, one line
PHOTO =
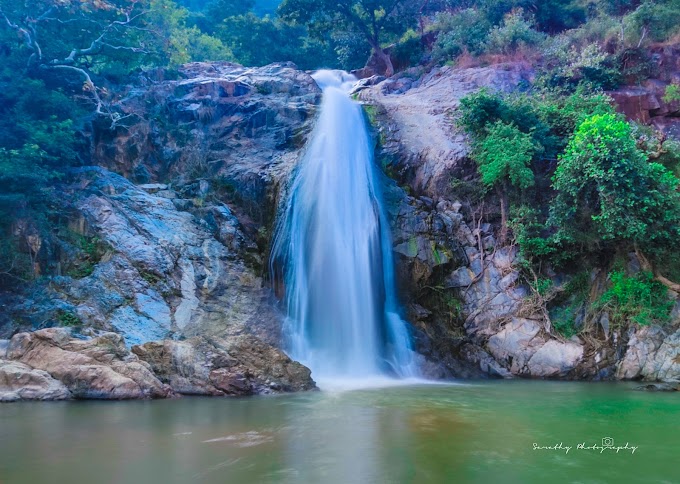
[(578, 185)]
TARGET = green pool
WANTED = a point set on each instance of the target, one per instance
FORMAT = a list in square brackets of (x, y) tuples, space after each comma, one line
[(490, 432)]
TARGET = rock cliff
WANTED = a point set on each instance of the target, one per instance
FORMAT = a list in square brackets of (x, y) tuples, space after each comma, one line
[(178, 208), (464, 290)]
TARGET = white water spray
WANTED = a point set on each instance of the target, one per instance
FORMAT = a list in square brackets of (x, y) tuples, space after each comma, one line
[(333, 252)]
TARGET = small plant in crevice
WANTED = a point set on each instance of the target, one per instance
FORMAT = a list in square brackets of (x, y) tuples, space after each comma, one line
[(69, 319), (150, 277), (90, 252)]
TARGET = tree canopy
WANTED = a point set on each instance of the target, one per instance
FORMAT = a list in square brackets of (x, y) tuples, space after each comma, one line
[(374, 20)]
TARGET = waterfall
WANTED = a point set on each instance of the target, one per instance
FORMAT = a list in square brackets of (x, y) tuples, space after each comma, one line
[(333, 252)]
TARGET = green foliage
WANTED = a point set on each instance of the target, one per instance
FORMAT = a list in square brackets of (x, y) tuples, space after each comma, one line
[(672, 93), (372, 20), (607, 191), (562, 112), (16, 265), (67, 318), (181, 43), (259, 41), (504, 155), (516, 33), (669, 155), (480, 110), (91, 250), (571, 65), (459, 32), (409, 50), (542, 286), (37, 142), (572, 302), (652, 21), (639, 299), (528, 232), (563, 322)]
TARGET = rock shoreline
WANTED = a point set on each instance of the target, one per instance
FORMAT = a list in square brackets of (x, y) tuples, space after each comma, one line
[(51, 364)]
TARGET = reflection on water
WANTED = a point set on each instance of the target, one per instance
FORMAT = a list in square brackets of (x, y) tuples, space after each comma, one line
[(427, 433)]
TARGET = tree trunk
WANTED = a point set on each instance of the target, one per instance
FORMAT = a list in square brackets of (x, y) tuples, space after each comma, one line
[(385, 58), (503, 197), (645, 265)]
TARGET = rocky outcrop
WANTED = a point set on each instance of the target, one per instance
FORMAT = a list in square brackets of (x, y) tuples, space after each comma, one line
[(21, 382), (100, 368), (175, 302), (652, 354), (220, 121), (416, 118), (464, 291), (213, 366), (51, 364), (645, 104), (181, 229)]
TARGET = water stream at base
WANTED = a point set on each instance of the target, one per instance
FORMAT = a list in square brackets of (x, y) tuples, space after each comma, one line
[(333, 253)]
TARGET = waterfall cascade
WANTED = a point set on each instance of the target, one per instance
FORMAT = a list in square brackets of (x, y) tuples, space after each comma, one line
[(333, 252)]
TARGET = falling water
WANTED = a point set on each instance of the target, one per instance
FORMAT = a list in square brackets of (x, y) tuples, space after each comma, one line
[(333, 252)]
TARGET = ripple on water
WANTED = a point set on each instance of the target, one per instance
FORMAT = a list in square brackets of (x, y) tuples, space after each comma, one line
[(245, 439)]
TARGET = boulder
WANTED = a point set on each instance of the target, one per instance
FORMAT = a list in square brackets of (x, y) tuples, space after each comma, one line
[(555, 359), (21, 382), (99, 368), (241, 365)]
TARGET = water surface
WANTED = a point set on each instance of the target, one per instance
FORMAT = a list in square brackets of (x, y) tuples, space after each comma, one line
[(472, 433)]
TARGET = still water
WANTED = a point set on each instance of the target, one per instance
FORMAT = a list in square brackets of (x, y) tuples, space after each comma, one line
[(468, 433)]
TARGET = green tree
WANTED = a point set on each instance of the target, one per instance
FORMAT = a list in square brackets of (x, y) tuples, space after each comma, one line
[(374, 20), (257, 41), (458, 32), (607, 191), (503, 158), (83, 39)]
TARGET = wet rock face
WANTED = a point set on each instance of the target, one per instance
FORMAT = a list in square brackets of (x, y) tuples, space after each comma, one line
[(166, 271)]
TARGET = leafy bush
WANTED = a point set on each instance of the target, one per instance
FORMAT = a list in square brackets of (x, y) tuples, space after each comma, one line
[(652, 21), (480, 110), (409, 50), (569, 65), (67, 318), (504, 155), (528, 233), (639, 299), (459, 32), (514, 34), (672, 93), (607, 191)]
